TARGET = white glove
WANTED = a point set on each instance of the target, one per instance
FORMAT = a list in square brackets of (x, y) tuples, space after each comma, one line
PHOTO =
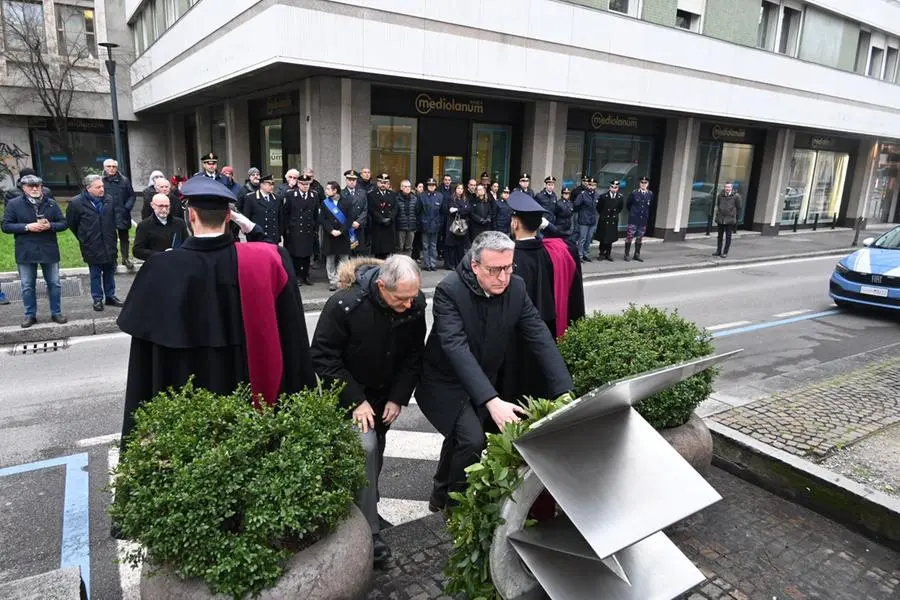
[(243, 222), (453, 210), (544, 223)]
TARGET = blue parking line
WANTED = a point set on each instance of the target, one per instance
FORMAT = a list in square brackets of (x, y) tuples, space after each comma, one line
[(769, 324), (76, 531)]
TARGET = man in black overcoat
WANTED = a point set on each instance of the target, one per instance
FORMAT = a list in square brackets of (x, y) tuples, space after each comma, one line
[(300, 223), (480, 309), (371, 336), (382, 213), (609, 205)]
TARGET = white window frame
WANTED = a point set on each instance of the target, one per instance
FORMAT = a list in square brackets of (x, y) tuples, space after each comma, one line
[(794, 48), (892, 44)]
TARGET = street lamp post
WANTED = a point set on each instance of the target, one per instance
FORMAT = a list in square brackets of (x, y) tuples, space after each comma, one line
[(111, 69)]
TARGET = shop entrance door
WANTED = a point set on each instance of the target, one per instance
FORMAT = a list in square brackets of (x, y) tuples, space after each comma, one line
[(443, 148), (717, 164)]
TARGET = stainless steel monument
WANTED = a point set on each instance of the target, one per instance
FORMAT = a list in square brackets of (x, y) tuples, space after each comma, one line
[(617, 483)]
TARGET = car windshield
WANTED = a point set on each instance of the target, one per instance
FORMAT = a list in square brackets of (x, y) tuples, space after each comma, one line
[(890, 240)]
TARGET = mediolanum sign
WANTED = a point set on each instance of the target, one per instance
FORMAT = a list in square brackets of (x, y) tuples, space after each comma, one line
[(426, 104)]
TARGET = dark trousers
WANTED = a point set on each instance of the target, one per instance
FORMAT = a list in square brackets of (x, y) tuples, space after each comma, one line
[(301, 267), (453, 255), (461, 449), (416, 246), (123, 244), (725, 230), (103, 281)]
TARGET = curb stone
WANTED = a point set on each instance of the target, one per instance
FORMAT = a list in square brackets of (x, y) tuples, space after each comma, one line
[(871, 512), (82, 327)]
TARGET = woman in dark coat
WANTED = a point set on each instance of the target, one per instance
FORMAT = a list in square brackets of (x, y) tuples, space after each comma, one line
[(609, 205), (456, 208), (483, 213), (336, 242), (300, 217)]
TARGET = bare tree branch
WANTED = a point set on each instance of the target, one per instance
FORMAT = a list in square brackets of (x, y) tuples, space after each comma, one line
[(50, 78)]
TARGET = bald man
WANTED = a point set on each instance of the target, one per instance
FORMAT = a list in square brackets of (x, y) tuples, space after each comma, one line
[(160, 231)]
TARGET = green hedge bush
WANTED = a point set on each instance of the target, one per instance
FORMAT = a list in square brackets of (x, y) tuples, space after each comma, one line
[(601, 348), (218, 490)]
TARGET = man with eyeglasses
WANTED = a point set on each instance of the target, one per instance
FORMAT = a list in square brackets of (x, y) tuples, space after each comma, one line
[(370, 337), (478, 310)]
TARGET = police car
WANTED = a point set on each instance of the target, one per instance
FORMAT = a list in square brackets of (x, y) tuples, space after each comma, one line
[(870, 276)]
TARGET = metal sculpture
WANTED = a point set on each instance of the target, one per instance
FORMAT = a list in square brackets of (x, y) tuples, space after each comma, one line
[(617, 483)]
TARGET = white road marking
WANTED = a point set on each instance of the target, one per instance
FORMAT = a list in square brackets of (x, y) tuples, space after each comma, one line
[(396, 511), (103, 337), (129, 577), (728, 325), (100, 440), (792, 313), (704, 270), (413, 444)]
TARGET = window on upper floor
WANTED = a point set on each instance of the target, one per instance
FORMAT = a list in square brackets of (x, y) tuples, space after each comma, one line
[(862, 51), (619, 6), (75, 33), (875, 62), (768, 23), (890, 66), (789, 32), (23, 25), (687, 20)]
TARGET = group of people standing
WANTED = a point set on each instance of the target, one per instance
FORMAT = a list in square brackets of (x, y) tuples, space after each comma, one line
[(496, 317)]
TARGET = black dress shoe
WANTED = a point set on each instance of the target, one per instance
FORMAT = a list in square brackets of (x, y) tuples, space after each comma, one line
[(436, 504), (28, 322), (59, 319), (381, 551), (114, 302), (98, 305)]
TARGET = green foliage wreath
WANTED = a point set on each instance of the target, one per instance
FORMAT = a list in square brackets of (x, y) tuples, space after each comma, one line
[(477, 515)]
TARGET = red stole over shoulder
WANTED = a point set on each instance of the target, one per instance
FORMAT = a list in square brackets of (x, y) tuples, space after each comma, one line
[(563, 274), (261, 278)]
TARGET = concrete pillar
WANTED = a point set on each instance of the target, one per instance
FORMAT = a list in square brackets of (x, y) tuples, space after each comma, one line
[(237, 136), (148, 149), (674, 192), (178, 160), (544, 143), (777, 155), (320, 133), (857, 199), (357, 142), (204, 131)]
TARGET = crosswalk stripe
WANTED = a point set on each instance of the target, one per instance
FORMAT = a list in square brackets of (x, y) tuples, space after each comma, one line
[(397, 511), (129, 577), (413, 444), (792, 313), (727, 325)]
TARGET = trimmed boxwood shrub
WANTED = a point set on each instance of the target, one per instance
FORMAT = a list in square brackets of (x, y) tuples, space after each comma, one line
[(601, 348), (218, 490)]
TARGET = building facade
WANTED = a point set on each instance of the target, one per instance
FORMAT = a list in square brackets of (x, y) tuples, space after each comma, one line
[(62, 35), (796, 103)]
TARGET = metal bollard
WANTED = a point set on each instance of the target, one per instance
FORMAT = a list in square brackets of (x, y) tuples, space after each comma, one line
[(816, 222), (709, 221), (796, 220), (834, 221)]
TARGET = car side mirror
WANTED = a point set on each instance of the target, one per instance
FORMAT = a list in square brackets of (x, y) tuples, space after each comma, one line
[(868, 241)]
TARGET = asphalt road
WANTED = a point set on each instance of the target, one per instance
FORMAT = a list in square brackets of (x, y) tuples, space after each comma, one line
[(69, 402)]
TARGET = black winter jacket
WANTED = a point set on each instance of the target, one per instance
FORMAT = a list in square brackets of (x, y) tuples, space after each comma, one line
[(361, 341), (96, 231)]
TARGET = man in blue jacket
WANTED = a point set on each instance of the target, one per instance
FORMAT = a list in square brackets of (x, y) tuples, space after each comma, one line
[(34, 220), (119, 187), (430, 222)]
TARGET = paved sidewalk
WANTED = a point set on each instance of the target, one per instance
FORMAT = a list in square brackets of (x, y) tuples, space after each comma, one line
[(694, 253), (751, 545)]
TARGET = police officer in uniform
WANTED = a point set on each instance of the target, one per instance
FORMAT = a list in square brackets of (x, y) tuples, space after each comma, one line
[(638, 206), (547, 199), (382, 213), (263, 207), (608, 208), (300, 218), (360, 212), (524, 184), (210, 169)]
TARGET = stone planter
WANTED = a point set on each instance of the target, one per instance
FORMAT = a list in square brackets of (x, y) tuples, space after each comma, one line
[(693, 442), (338, 567)]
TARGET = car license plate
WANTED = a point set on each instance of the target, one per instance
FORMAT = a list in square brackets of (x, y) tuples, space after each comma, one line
[(873, 291)]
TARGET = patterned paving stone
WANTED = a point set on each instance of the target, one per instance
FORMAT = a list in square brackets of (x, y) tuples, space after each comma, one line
[(751, 545), (816, 420)]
